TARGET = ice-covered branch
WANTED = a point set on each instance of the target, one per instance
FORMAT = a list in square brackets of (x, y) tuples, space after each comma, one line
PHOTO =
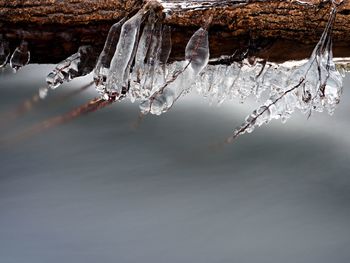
[(77, 65), (315, 85)]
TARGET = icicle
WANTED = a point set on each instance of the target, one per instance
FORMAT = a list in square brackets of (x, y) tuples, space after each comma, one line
[(240, 80), (104, 60), (117, 80), (152, 61), (164, 50), (20, 56), (74, 66), (313, 86), (197, 51), (197, 57), (149, 72), (166, 47), (139, 69), (4, 51)]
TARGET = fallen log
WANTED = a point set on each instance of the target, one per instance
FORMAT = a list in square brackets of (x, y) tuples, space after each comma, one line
[(272, 29)]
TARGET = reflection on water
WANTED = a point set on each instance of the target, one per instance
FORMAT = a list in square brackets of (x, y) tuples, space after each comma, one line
[(97, 190)]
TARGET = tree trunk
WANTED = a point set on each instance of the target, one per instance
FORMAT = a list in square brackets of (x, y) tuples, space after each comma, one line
[(272, 29)]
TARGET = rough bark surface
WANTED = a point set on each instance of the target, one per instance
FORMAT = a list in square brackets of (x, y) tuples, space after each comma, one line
[(272, 29)]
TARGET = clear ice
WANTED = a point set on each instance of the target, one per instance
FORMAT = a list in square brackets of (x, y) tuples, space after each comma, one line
[(147, 60), (104, 61), (315, 85), (140, 70), (70, 68), (118, 76), (20, 56), (74, 66), (185, 73)]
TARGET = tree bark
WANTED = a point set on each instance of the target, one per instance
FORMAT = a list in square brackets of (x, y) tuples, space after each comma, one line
[(272, 29)]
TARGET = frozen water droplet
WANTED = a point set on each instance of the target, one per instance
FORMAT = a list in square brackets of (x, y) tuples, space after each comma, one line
[(197, 50), (162, 102), (20, 56)]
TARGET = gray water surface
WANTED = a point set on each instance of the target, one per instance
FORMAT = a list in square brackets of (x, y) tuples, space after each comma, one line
[(98, 190)]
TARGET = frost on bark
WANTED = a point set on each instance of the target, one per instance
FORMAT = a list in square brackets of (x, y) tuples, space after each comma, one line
[(158, 51)]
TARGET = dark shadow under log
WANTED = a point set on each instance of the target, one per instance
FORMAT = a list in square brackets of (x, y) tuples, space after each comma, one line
[(272, 29)]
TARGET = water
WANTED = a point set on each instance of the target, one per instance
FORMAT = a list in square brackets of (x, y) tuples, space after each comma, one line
[(97, 190)]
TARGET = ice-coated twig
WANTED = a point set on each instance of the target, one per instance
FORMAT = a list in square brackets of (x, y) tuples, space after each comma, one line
[(20, 57), (313, 86), (261, 115), (196, 59), (89, 107), (27, 105), (74, 66)]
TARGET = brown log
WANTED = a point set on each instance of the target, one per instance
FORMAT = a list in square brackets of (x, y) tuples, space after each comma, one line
[(272, 29)]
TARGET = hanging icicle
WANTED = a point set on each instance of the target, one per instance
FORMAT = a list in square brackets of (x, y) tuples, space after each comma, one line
[(104, 61), (117, 79), (76, 65), (20, 56)]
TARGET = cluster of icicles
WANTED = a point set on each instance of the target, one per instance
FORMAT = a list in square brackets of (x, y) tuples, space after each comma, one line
[(134, 64)]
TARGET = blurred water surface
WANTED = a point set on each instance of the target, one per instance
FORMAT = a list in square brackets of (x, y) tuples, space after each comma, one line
[(98, 190)]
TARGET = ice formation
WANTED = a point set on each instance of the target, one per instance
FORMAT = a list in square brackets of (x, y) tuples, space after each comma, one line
[(196, 59), (70, 68), (104, 61), (151, 57), (134, 64), (315, 85), (139, 71), (74, 66), (117, 79), (20, 56)]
